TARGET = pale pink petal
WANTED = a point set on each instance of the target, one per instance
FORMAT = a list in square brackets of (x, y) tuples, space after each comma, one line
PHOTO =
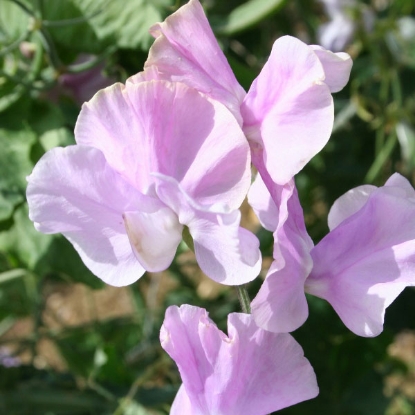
[(154, 237), (337, 33), (264, 207), (348, 204), (279, 374), (224, 251), (405, 188), (109, 122), (250, 371), (288, 111), (337, 67), (367, 260), (353, 200), (182, 405), (150, 74), (75, 192), (280, 305), (181, 337), (186, 50), (171, 129)]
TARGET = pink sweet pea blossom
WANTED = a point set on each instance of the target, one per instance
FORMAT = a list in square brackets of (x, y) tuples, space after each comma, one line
[(150, 159), (250, 371), (368, 257), (338, 32), (287, 115), (360, 267)]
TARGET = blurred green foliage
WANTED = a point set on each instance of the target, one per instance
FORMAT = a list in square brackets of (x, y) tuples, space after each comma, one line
[(115, 365)]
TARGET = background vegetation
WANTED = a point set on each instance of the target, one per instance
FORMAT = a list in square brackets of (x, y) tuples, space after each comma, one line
[(71, 346)]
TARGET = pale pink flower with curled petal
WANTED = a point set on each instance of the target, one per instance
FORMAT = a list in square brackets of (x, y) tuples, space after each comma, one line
[(287, 115), (368, 257), (360, 267), (150, 159), (280, 305), (250, 371)]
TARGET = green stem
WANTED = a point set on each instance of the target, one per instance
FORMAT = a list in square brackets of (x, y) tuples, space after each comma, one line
[(50, 48), (81, 67), (244, 299), (396, 88), (23, 7), (188, 239), (14, 44), (74, 21), (384, 88), (381, 158), (380, 140)]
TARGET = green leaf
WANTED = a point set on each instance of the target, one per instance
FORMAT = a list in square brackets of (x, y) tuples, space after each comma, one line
[(156, 396), (22, 242), (7, 203), (406, 138), (77, 347), (9, 93), (60, 258), (67, 36), (15, 165), (14, 21), (244, 74), (48, 401), (43, 254), (401, 41), (58, 137), (125, 23), (247, 15), (48, 121), (133, 408), (12, 275)]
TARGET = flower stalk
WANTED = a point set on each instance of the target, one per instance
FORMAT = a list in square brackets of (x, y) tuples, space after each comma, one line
[(244, 299)]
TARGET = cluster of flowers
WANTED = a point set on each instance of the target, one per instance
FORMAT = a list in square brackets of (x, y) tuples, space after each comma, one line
[(169, 154)]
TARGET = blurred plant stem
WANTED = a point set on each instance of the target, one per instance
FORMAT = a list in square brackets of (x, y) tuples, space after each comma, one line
[(150, 372), (383, 155), (244, 299)]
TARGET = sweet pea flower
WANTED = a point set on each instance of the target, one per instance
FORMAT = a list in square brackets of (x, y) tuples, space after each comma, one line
[(368, 257), (250, 371), (287, 114), (338, 32), (151, 160), (359, 267)]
